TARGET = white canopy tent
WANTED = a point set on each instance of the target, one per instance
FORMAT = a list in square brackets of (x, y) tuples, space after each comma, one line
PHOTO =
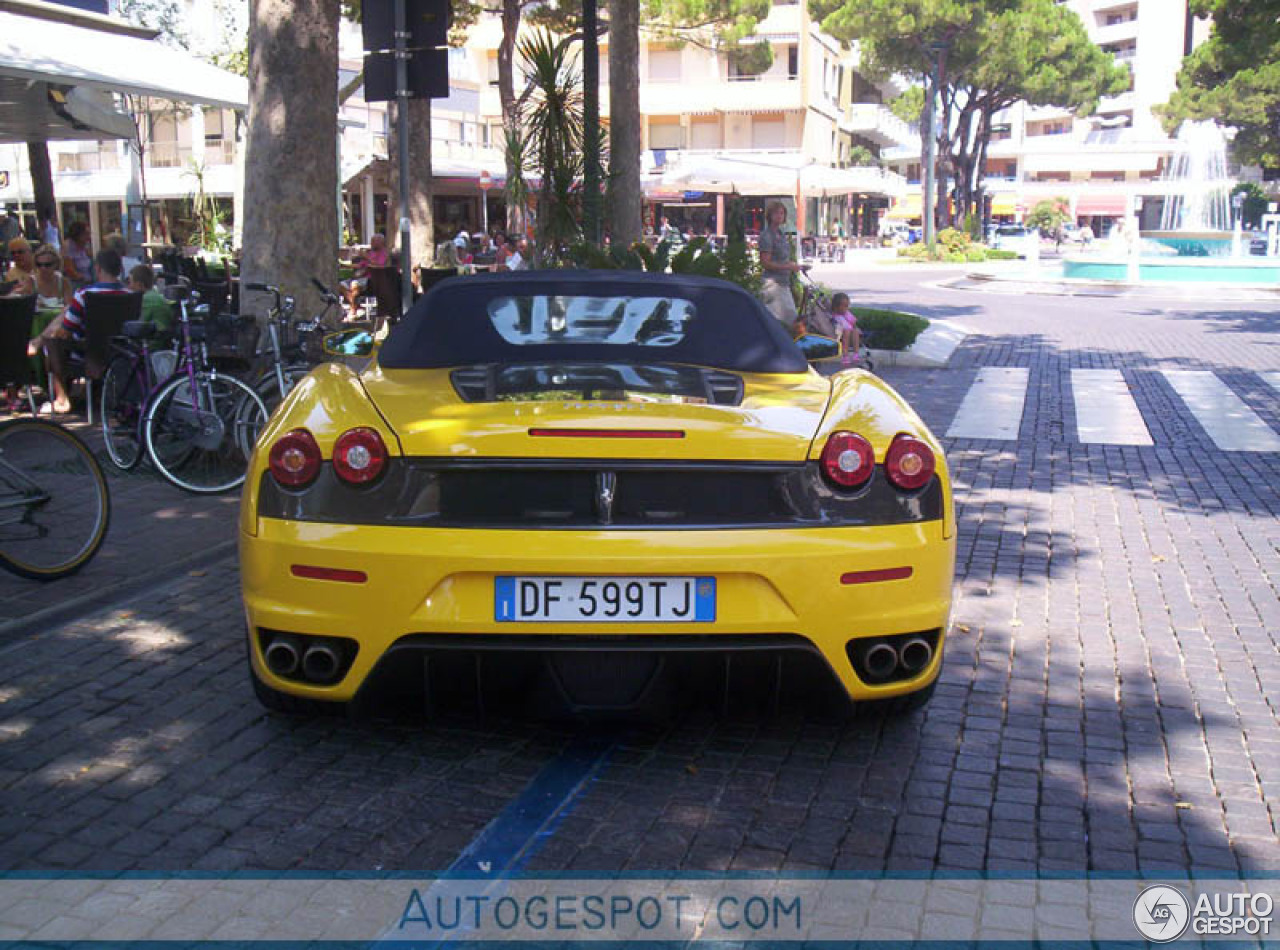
[(34, 49), (772, 175)]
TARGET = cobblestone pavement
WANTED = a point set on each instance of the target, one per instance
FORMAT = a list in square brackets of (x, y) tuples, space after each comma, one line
[(1110, 697)]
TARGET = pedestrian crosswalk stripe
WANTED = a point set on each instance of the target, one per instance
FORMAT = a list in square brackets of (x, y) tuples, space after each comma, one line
[(1272, 379), (992, 408), (1230, 423), (1105, 409)]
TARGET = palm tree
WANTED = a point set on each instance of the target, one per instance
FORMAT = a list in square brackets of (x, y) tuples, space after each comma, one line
[(624, 122)]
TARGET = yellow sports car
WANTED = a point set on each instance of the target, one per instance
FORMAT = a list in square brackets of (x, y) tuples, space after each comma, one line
[(593, 485)]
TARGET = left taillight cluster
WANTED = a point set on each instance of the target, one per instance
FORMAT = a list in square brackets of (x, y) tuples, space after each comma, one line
[(359, 456), (848, 461)]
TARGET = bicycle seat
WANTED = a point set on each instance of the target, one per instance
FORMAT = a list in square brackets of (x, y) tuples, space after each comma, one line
[(138, 329)]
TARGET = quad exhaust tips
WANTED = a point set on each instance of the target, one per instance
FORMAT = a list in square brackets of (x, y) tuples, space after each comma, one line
[(879, 660), (304, 658)]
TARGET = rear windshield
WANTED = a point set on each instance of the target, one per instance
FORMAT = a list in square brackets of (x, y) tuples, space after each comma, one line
[(1011, 232), (581, 317), (529, 320)]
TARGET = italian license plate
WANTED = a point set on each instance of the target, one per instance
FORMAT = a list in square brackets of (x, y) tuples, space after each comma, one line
[(605, 599)]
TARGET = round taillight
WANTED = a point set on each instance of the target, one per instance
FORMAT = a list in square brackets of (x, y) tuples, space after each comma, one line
[(848, 459), (359, 455), (295, 459), (909, 463)]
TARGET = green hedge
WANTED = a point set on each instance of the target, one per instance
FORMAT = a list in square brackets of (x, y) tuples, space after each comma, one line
[(893, 330)]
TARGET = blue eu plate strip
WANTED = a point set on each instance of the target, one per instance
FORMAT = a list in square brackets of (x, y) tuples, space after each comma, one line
[(704, 603), (504, 599)]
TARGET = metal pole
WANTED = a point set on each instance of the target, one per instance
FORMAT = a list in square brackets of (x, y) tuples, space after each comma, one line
[(402, 134), (930, 156)]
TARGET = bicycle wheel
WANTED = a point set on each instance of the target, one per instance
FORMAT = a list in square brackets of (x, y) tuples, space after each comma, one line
[(121, 412), (201, 440), (54, 503), (268, 387)]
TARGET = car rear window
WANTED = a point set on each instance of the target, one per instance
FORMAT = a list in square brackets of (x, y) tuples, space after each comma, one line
[(530, 320), (615, 317)]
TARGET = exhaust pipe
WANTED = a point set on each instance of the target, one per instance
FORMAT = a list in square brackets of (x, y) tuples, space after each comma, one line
[(320, 663), (281, 656), (915, 654), (880, 661)]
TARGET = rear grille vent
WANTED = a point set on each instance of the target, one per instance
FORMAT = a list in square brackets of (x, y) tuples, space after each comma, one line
[(726, 389), (471, 384)]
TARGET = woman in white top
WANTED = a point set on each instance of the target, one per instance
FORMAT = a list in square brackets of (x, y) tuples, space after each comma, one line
[(53, 290)]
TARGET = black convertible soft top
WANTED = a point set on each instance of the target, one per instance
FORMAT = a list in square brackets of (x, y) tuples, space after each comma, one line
[(451, 326)]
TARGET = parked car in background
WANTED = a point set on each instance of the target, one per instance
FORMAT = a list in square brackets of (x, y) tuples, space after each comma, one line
[(1018, 238)]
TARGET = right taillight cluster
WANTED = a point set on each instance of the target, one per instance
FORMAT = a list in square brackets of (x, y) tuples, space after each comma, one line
[(848, 461), (359, 456)]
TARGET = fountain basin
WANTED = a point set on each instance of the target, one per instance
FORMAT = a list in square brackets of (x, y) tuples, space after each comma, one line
[(1176, 270), (1194, 243)]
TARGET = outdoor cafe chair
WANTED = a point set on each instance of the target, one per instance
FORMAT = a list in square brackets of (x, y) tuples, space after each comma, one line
[(16, 315), (104, 317)]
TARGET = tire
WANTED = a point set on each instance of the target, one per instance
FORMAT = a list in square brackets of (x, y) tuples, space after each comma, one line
[(202, 445), (54, 502), (121, 413)]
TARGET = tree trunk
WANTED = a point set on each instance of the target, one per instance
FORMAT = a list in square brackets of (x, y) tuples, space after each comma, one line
[(624, 122), (291, 175), (42, 179), (507, 97), (418, 208), (590, 124)]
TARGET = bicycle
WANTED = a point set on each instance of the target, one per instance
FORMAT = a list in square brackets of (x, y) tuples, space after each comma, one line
[(287, 344), (131, 376), (54, 502), (200, 426)]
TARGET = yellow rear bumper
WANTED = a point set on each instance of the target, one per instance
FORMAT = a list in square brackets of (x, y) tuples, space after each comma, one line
[(440, 581)]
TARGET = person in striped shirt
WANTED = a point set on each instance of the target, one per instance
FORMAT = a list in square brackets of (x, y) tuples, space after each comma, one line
[(64, 335)]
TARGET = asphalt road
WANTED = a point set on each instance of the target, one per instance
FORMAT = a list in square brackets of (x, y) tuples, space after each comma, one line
[(1110, 698)]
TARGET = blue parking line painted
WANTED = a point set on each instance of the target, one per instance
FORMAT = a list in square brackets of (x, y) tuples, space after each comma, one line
[(509, 842), (519, 831)]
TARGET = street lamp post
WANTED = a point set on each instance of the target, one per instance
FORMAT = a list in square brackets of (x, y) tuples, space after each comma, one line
[(1237, 237), (936, 52)]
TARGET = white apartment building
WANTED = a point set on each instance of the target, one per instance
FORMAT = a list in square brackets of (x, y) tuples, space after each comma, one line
[(1111, 163)]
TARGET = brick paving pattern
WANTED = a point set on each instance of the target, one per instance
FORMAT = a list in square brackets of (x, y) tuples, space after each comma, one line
[(1110, 697)]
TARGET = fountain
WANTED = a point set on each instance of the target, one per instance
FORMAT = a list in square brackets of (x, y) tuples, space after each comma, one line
[(1195, 242)]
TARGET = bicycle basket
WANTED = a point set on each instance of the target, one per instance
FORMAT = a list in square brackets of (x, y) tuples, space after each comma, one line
[(232, 337)]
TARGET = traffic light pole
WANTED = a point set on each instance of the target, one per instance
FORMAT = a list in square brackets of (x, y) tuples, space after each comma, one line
[(402, 135)]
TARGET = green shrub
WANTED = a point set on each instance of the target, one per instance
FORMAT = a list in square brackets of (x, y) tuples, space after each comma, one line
[(893, 330), (997, 255), (956, 242), (975, 254)]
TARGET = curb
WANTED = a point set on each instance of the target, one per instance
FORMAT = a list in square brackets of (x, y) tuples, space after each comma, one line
[(41, 621), (987, 282), (931, 350)]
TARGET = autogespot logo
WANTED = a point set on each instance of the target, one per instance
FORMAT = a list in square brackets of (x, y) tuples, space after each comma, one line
[(1161, 913)]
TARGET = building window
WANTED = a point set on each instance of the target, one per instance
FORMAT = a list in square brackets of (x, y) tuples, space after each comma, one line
[(665, 134), (768, 133), (704, 133), (664, 65), (793, 61)]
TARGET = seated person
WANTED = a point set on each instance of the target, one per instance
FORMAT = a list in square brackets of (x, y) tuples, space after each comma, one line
[(22, 273), (61, 337), (846, 322), (376, 256), (155, 309)]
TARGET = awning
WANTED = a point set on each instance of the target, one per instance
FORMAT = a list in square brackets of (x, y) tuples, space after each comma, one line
[(1101, 204), (1004, 202), (906, 207), (42, 50)]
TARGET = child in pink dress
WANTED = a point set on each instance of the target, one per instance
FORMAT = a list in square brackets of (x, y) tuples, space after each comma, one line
[(847, 325)]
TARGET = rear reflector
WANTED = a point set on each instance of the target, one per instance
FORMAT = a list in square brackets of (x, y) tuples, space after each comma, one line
[(871, 577), (609, 433), (329, 574)]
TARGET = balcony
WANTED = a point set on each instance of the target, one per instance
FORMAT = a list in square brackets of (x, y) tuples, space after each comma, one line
[(168, 155), (765, 94), (1116, 33), (875, 122)]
